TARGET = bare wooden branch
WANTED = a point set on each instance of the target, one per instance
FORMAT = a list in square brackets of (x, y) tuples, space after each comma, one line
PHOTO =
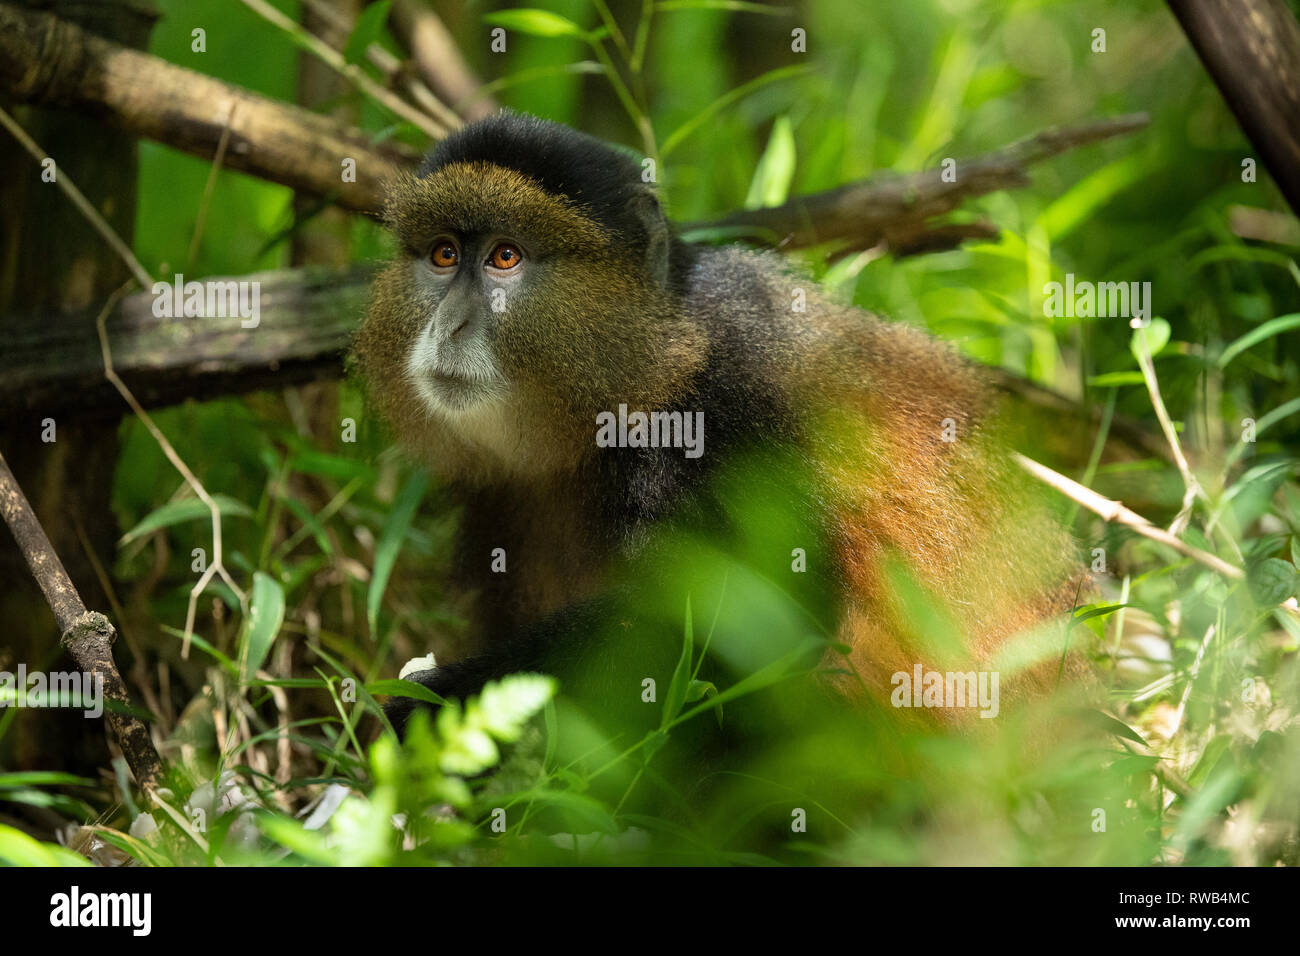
[(52, 62), (306, 321), (1251, 49), (898, 210), (1115, 511), (87, 635), (434, 127), (435, 55), (43, 59)]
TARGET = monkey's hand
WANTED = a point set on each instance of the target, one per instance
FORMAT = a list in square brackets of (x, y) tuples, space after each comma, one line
[(548, 646), (460, 680)]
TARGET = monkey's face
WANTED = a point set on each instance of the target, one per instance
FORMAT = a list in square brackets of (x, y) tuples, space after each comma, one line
[(461, 285), (508, 298)]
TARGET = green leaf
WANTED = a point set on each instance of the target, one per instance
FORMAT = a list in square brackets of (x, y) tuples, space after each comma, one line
[(775, 170), (722, 102), (43, 778), (1157, 337), (390, 542), (735, 6), (1097, 612), (308, 844), (1272, 327), (504, 707), (404, 688), (187, 509), (783, 668), (204, 646), (1117, 727), (700, 689), (1210, 756), (590, 813), (1271, 581), (367, 30), (466, 750), (1111, 379), (265, 615), (18, 849), (681, 673), (331, 466), (537, 23), (1079, 203)]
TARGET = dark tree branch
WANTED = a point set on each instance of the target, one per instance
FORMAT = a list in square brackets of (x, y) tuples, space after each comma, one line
[(306, 321), (51, 62), (1251, 49), (436, 57), (87, 635), (899, 210), (43, 59)]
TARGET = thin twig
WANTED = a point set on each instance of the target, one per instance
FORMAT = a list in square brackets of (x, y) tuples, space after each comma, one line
[(1191, 487), (1114, 511), (1191, 676), (349, 71), (88, 635), (142, 276), (200, 220), (79, 200), (436, 56), (215, 566)]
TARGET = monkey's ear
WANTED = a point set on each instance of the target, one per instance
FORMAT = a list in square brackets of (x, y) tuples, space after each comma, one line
[(658, 234)]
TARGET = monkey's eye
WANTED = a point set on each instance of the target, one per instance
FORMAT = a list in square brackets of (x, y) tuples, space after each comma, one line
[(505, 256), (444, 254)]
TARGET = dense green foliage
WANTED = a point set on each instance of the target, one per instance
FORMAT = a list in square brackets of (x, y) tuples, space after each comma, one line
[(342, 547)]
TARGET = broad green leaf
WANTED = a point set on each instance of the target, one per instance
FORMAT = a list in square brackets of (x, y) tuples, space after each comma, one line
[(1157, 337), (291, 834), (775, 170), (1272, 581), (505, 706), (187, 509), (265, 615), (390, 542), (18, 849)]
